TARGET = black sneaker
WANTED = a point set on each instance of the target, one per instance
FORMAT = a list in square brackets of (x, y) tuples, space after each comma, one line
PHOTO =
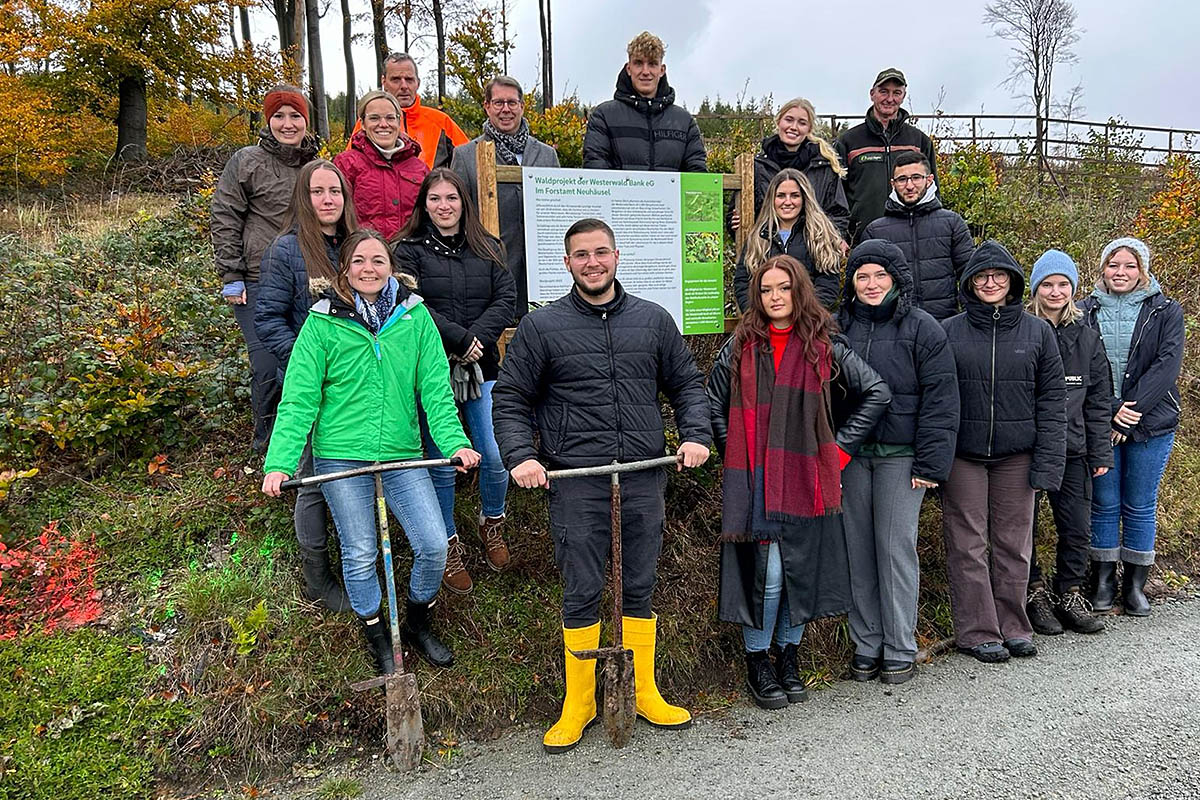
[(1020, 648), (1039, 605), (761, 682), (986, 652), (1076, 613), (864, 668)]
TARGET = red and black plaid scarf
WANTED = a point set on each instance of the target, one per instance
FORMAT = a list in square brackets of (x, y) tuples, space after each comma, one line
[(780, 426)]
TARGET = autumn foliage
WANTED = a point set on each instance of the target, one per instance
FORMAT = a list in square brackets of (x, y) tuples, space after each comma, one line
[(47, 584)]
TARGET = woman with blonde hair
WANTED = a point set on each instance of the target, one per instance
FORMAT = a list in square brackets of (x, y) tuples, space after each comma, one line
[(792, 224)]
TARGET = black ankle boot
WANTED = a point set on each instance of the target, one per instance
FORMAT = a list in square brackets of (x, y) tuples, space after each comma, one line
[(788, 671), (1039, 607), (1102, 585), (380, 640), (1074, 613), (761, 681), (320, 586), (1133, 589), (417, 633)]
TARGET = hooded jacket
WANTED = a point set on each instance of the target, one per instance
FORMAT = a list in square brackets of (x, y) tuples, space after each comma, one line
[(250, 200), (638, 133), (285, 294), (1148, 373), (1012, 393), (827, 184), (868, 151), (433, 130), (825, 283), (591, 375), (908, 347), (468, 296), (361, 389), (384, 189), (936, 244)]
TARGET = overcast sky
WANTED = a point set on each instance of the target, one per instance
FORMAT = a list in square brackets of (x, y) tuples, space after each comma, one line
[(1134, 59)]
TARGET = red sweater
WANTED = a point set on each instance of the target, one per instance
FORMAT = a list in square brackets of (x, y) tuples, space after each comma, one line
[(779, 340)]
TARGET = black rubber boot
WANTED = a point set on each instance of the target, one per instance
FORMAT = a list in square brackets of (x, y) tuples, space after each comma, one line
[(1102, 585), (320, 586), (1040, 608), (417, 633), (1074, 613), (788, 672), (1133, 589), (761, 681), (380, 640)]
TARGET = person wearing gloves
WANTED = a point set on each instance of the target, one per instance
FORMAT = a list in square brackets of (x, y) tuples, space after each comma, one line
[(1143, 333), (1054, 281), (910, 451), (461, 273), (1012, 440), (366, 359), (248, 206), (789, 403)]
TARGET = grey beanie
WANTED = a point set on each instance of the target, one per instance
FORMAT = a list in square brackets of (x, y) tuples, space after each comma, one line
[(1136, 245), (1054, 262)]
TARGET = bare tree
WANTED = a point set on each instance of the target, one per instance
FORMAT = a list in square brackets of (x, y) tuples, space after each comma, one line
[(505, 42), (412, 16), (347, 36), (255, 116), (547, 54), (316, 69), (379, 26), (1041, 32), (439, 27), (290, 20)]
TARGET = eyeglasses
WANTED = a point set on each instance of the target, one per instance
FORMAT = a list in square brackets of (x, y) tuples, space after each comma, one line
[(996, 276), (506, 103), (903, 179), (375, 119), (584, 256)]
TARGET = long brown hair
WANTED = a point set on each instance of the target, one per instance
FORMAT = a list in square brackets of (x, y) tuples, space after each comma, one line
[(302, 217), (820, 234), (810, 321), (480, 242), (341, 284)]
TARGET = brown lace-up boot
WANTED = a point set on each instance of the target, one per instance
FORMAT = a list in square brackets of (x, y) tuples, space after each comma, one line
[(456, 579), (493, 542)]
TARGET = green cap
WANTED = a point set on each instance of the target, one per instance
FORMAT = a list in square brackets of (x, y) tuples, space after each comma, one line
[(890, 74)]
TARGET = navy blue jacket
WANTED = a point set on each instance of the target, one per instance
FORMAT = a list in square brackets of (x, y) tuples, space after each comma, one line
[(284, 295)]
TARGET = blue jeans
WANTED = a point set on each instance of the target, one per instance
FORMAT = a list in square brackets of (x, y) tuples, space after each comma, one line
[(1125, 501), (411, 498), (493, 477), (775, 614)]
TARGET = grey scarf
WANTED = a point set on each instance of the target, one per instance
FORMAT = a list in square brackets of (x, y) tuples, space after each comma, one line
[(509, 146)]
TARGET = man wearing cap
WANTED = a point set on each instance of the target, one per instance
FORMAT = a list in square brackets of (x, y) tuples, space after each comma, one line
[(433, 130), (869, 150)]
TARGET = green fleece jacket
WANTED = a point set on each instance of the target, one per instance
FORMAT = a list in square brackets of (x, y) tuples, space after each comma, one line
[(362, 390)]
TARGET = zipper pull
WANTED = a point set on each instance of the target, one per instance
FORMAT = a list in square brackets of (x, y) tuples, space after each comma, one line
[(996, 314), (604, 315)]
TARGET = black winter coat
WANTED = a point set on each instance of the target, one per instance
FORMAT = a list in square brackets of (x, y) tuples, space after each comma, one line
[(825, 283), (1011, 386), (468, 296), (591, 374), (638, 133), (1089, 394), (937, 246), (1152, 371), (827, 184), (868, 151), (909, 349), (284, 295)]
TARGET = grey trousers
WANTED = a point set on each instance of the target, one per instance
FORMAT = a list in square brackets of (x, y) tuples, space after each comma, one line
[(881, 509)]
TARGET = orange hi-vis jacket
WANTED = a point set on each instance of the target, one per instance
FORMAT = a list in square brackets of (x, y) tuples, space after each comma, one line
[(437, 134)]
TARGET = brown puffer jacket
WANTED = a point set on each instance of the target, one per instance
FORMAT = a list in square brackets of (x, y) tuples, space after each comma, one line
[(249, 203)]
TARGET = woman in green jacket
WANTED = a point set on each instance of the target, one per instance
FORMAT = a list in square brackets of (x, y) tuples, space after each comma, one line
[(360, 362)]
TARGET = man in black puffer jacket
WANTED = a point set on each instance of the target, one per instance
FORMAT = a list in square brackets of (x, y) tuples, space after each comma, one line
[(590, 367), (641, 128), (936, 242)]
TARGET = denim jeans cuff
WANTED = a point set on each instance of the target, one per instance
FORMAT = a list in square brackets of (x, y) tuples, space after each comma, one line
[(1141, 558), (1106, 553)]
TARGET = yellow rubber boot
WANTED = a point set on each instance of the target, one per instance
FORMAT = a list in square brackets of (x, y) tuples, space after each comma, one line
[(639, 637), (579, 704)]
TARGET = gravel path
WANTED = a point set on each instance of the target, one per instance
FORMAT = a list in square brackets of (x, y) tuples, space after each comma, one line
[(1110, 716)]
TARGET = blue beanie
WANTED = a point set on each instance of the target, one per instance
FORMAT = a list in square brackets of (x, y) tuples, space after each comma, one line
[(1054, 262)]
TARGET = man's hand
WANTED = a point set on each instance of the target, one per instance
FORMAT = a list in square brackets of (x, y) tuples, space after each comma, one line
[(469, 458), (691, 455), (271, 483), (530, 474)]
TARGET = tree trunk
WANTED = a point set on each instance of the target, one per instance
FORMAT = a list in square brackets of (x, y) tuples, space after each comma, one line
[(350, 98), (316, 70), (504, 32), (381, 46), (131, 118), (439, 26), (295, 69), (255, 116), (547, 55)]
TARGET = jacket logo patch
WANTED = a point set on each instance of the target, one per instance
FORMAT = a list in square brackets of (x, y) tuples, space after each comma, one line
[(666, 133), (870, 157), (1074, 380)]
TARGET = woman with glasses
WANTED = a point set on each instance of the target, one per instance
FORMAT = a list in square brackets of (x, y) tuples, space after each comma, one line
[(1011, 442), (383, 166)]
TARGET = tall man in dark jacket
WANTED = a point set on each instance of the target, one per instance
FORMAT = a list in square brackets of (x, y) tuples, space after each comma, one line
[(504, 104), (869, 150), (641, 128), (589, 367), (935, 241)]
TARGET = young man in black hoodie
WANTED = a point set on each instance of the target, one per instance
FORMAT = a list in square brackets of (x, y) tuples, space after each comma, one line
[(641, 128)]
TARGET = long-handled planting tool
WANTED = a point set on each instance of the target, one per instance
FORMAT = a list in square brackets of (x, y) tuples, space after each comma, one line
[(402, 707), (619, 685)]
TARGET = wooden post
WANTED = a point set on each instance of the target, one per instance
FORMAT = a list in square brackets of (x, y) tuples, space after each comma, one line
[(1170, 144), (489, 199), (973, 134), (743, 167)]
